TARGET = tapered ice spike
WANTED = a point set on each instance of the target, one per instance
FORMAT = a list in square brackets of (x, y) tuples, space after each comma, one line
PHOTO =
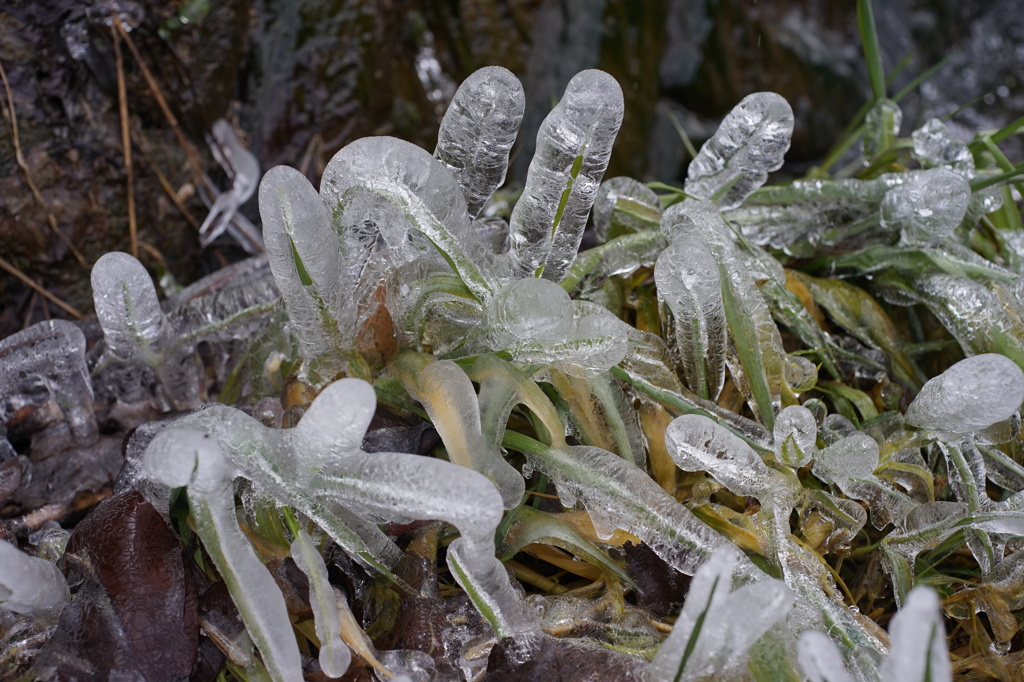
[(927, 206), (478, 131), (918, 636), (184, 457), (688, 283), (304, 257), (969, 396), (51, 353), (137, 330), (750, 143), (574, 144), (31, 585)]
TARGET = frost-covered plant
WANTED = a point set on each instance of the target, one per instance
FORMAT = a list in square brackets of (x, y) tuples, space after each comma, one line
[(745, 428)]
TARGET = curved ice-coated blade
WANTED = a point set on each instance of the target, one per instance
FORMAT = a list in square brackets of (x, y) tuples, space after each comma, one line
[(335, 423), (574, 144), (881, 126), (795, 434), (928, 206), (969, 396), (335, 656), (750, 143), (304, 257), (820, 659), (686, 275), (412, 199), (918, 637), (53, 351), (179, 457), (697, 443), (244, 171), (853, 457), (478, 131), (627, 204)]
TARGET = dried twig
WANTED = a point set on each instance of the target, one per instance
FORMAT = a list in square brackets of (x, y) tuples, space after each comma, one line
[(126, 143), (10, 269), (190, 153), (51, 219)]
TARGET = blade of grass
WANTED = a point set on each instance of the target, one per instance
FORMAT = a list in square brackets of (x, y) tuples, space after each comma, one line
[(872, 52)]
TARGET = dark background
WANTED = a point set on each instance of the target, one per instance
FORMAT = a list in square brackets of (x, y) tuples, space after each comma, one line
[(299, 79)]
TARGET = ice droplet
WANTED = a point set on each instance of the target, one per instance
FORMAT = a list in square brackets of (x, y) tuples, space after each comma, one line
[(478, 131), (969, 396), (929, 205), (574, 144), (881, 126), (935, 145), (750, 143)]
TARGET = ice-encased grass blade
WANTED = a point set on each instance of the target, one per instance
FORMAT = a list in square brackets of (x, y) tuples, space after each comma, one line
[(927, 206), (621, 256), (795, 433), (935, 146), (969, 396), (624, 205), (750, 143), (413, 201), (820, 660), (334, 656), (686, 275), (698, 443), (918, 636), (881, 126), (185, 457), (758, 366), (574, 144), (31, 585), (447, 394), (53, 351), (528, 525), (305, 258), (478, 131), (137, 330)]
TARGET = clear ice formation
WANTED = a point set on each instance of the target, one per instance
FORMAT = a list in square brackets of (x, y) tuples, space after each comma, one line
[(319, 469), (49, 355), (186, 457), (969, 396), (819, 658), (137, 331), (927, 206), (698, 443), (31, 585), (718, 625), (626, 204), (334, 657), (918, 641), (795, 434), (935, 146), (750, 143), (574, 144), (881, 126), (244, 171), (478, 131), (687, 279)]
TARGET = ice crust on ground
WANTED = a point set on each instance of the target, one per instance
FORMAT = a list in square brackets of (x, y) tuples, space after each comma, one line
[(750, 143), (31, 585), (574, 144), (478, 131), (50, 355), (969, 396)]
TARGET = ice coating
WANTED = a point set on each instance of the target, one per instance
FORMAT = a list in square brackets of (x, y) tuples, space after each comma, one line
[(935, 145), (574, 144), (697, 443), (687, 278), (853, 457), (928, 205), (478, 131), (51, 353), (536, 321), (725, 623), (750, 143), (969, 396), (178, 457), (244, 171), (305, 259), (820, 659), (387, 185), (334, 656), (31, 585), (630, 203), (136, 330), (918, 636), (795, 434), (881, 126)]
